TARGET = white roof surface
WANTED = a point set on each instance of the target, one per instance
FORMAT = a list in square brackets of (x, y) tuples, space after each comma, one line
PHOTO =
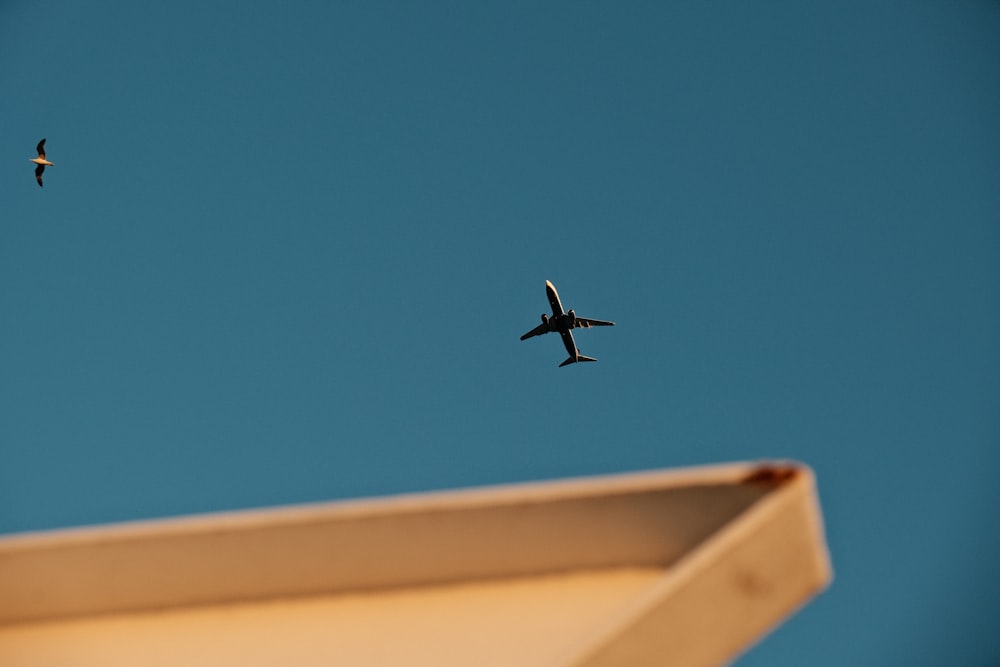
[(670, 567)]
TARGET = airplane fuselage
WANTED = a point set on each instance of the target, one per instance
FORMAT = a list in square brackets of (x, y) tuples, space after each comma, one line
[(38, 160), (561, 321)]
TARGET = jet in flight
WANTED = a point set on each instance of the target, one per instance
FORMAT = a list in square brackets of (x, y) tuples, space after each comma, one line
[(564, 323), (41, 162)]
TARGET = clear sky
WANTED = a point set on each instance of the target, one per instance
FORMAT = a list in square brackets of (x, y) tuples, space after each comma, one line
[(287, 251)]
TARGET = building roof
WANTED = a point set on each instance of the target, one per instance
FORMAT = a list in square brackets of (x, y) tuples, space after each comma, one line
[(686, 566)]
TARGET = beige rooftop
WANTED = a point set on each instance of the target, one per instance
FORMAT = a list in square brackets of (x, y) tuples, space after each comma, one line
[(676, 567)]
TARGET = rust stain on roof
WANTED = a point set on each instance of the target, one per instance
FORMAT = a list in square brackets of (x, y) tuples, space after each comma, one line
[(771, 475)]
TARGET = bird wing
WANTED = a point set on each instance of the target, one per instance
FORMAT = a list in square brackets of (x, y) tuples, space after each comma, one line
[(38, 173), (41, 149)]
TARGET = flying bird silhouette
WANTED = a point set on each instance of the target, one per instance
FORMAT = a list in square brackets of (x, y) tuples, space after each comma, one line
[(41, 162)]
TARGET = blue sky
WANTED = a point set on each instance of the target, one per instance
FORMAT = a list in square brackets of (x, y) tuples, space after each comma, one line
[(286, 253)]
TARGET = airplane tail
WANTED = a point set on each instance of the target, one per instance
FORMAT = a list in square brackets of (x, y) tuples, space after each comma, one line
[(579, 357)]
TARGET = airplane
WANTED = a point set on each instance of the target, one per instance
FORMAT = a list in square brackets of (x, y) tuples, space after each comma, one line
[(564, 322)]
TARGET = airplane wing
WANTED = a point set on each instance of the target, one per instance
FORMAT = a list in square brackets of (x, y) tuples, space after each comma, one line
[(585, 323), (537, 331)]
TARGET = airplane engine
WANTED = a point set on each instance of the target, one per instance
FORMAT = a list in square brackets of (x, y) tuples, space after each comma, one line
[(572, 318), (545, 318)]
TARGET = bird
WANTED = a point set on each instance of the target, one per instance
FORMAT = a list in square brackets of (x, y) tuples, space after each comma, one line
[(41, 162)]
